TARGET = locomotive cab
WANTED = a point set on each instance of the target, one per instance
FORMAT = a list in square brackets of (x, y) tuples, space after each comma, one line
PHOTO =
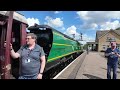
[(44, 37)]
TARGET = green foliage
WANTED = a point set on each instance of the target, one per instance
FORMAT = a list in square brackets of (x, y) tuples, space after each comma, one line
[(85, 46), (117, 28)]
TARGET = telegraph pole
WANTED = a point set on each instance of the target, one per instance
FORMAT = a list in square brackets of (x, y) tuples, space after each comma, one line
[(81, 37), (73, 36)]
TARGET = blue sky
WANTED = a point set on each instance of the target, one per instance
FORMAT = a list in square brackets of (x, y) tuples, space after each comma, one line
[(76, 22)]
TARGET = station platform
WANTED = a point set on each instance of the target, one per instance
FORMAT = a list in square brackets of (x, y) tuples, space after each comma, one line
[(87, 66)]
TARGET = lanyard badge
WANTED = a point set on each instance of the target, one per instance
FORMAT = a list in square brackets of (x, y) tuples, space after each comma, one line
[(28, 60)]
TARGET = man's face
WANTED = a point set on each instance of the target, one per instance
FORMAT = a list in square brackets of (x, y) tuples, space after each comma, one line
[(30, 40), (113, 44)]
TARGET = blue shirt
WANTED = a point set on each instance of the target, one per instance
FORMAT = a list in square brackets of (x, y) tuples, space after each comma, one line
[(112, 59)]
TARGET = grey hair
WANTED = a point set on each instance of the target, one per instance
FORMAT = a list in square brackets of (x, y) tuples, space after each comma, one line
[(34, 36)]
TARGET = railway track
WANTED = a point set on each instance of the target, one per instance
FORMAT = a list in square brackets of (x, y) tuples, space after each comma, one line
[(56, 70)]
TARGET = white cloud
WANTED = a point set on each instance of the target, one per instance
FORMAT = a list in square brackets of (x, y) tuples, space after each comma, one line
[(83, 14), (72, 30), (87, 38), (56, 12), (110, 25), (93, 19), (57, 22), (32, 21), (89, 26), (63, 28)]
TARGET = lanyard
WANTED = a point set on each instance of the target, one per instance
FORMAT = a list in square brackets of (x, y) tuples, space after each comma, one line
[(28, 54)]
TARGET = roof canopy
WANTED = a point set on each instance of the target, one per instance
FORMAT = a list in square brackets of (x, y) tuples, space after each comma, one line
[(17, 16)]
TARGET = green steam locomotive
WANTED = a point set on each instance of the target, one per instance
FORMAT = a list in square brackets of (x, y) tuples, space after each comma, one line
[(57, 46)]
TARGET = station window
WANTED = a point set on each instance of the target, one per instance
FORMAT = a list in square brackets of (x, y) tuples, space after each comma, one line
[(104, 47)]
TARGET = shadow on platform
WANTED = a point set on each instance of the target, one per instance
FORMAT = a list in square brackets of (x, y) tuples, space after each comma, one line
[(91, 76)]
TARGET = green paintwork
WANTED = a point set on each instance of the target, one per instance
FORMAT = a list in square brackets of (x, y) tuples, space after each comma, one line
[(62, 46)]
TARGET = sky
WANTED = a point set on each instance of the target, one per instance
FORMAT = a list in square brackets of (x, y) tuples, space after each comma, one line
[(76, 22)]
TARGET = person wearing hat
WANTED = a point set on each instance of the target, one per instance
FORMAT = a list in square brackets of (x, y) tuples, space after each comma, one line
[(112, 55)]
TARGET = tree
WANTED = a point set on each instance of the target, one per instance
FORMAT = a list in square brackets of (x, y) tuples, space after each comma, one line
[(117, 28), (85, 46)]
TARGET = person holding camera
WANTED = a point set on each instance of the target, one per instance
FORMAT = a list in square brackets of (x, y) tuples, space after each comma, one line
[(112, 55)]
